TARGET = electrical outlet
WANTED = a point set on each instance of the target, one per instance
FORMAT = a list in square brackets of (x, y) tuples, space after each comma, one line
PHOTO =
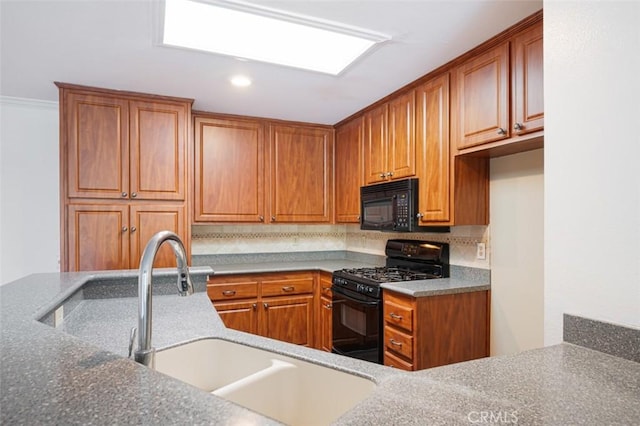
[(480, 251)]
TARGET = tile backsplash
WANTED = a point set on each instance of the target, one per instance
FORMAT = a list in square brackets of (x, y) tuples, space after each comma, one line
[(236, 239)]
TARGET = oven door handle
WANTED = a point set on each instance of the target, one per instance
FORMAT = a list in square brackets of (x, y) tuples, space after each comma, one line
[(340, 291)]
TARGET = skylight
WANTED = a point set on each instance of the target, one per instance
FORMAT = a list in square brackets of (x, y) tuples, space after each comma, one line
[(246, 31)]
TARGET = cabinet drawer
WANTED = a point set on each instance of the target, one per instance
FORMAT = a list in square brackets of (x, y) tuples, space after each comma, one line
[(392, 360), (398, 342), (287, 287), (400, 316), (218, 292)]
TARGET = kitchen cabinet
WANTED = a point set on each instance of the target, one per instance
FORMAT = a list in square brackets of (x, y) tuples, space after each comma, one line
[(107, 236), (275, 305), (300, 169), (349, 170), (390, 140), (123, 168), (229, 182), (324, 310), (436, 330), (498, 104), (254, 170)]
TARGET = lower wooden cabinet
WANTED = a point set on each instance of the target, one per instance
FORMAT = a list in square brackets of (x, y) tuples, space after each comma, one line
[(324, 316), (431, 331), (276, 305)]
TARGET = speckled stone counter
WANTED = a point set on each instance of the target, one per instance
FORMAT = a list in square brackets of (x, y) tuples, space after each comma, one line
[(49, 376)]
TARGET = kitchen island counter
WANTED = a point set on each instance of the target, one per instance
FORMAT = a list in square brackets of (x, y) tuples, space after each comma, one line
[(49, 376)]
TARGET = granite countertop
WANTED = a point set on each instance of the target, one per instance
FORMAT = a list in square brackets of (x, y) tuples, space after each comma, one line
[(78, 373)]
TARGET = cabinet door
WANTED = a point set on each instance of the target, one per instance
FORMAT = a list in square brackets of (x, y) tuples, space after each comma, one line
[(432, 146), (158, 150), (528, 82), (301, 159), (98, 237), (146, 220), (326, 324), (375, 145), (241, 316), (481, 106), (349, 171), (96, 130), (229, 170), (289, 320), (401, 152)]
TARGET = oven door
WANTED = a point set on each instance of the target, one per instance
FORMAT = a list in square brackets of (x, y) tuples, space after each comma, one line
[(356, 325)]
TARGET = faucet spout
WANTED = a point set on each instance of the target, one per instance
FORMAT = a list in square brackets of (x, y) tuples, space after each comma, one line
[(144, 353)]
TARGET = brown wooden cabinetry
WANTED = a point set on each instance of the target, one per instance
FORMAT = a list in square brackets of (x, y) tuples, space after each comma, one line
[(123, 168), (349, 170), (437, 330), (242, 177), (390, 140), (324, 316), (498, 104), (276, 305)]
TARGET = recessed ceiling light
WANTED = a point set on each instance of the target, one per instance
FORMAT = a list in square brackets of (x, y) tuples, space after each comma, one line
[(240, 81), (246, 31)]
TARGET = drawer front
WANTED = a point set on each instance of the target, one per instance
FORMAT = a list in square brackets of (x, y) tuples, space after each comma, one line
[(287, 287), (398, 315), (220, 292), (398, 342), (394, 361)]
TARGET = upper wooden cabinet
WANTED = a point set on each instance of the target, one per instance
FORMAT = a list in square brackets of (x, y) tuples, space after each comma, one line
[(348, 175), (300, 170), (254, 170), (527, 77), (124, 148), (481, 98), (498, 96), (390, 140), (229, 170)]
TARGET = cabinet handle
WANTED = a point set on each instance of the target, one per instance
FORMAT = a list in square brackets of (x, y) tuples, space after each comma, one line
[(502, 131), (395, 316), (273, 218), (261, 218), (133, 229), (382, 175), (288, 289), (328, 306), (229, 293), (419, 215), (124, 229), (254, 306), (266, 305), (395, 343), (124, 195), (518, 126), (134, 194), (389, 174)]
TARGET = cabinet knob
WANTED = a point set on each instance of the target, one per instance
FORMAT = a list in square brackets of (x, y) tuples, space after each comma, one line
[(124, 229), (124, 195), (328, 306), (273, 218), (518, 126), (502, 131), (261, 218), (382, 175), (389, 174), (133, 229), (266, 305), (134, 194), (254, 306), (419, 215)]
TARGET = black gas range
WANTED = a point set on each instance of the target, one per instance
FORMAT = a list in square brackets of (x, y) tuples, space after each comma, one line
[(357, 319)]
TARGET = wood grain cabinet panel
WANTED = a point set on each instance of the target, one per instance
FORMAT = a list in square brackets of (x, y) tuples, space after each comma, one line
[(401, 154), (229, 170), (376, 144), (148, 219), (349, 170), (445, 329), (241, 316), (289, 320), (324, 313), (301, 170), (527, 76)]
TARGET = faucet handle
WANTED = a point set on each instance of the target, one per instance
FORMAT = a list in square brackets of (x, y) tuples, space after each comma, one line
[(132, 338)]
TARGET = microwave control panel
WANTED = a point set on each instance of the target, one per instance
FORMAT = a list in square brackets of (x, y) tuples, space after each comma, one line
[(402, 212)]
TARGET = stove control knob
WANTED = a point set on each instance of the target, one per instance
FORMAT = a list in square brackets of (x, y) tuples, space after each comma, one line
[(370, 289)]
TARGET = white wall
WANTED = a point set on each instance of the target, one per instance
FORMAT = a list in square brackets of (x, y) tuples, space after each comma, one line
[(592, 162), (29, 183), (517, 246)]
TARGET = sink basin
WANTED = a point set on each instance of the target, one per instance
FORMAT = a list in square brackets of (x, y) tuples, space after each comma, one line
[(286, 389)]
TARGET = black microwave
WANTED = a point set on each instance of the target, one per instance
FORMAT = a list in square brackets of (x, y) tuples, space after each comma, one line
[(392, 206)]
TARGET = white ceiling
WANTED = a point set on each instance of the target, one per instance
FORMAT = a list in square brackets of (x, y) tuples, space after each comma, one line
[(111, 44)]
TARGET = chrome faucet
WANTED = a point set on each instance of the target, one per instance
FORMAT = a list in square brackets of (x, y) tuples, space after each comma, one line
[(144, 353)]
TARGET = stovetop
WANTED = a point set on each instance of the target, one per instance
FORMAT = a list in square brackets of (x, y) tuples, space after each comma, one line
[(385, 274)]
